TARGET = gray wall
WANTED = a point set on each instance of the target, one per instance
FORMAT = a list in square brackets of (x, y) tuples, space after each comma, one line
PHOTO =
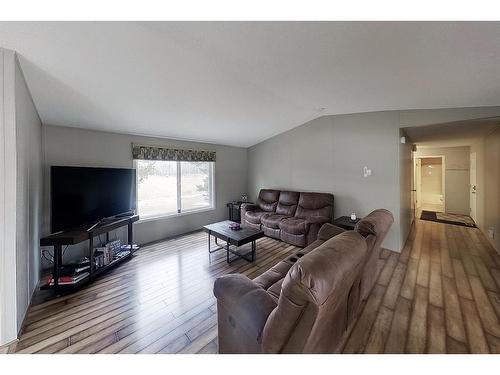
[(492, 186), (406, 214), (77, 147), (457, 176), (328, 155), (8, 254), (28, 192)]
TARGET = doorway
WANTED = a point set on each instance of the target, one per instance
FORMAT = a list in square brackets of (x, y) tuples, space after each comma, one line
[(430, 183)]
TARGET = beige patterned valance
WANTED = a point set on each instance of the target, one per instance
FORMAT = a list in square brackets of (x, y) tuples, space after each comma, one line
[(172, 154)]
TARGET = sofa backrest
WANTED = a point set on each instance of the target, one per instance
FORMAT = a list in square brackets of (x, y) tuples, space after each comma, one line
[(268, 199), (287, 203), (374, 227), (315, 204), (313, 309)]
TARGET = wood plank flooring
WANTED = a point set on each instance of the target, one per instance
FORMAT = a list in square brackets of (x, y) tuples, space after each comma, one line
[(440, 295), (443, 296)]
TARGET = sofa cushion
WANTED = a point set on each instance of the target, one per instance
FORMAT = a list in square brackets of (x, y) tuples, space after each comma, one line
[(255, 217), (293, 225), (273, 220), (299, 240), (287, 204), (275, 289), (272, 275), (315, 204), (268, 200)]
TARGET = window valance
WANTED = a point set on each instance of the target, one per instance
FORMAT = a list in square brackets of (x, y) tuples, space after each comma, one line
[(171, 154)]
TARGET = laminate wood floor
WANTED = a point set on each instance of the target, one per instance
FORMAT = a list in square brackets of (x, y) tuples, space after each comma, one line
[(440, 295)]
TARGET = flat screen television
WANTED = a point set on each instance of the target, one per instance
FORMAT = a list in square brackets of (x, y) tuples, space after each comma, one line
[(83, 195)]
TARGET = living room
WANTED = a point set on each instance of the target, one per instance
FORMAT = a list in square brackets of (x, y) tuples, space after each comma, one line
[(249, 187)]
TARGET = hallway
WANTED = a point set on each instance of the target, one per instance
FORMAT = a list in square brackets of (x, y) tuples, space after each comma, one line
[(440, 295)]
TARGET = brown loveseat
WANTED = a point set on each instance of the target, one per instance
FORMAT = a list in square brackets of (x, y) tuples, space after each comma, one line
[(291, 216), (307, 302)]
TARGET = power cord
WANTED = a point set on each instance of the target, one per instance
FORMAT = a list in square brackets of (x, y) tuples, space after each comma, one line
[(51, 254)]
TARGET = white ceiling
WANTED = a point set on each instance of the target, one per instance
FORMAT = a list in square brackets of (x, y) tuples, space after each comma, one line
[(452, 134), (238, 83)]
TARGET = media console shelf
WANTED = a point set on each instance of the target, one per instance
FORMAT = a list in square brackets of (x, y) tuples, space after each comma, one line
[(73, 237)]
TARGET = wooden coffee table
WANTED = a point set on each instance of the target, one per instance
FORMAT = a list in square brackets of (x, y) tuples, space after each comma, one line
[(236, 238)]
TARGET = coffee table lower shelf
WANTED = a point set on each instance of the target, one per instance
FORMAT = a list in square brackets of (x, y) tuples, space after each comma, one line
[(228, 251), (235, 238)]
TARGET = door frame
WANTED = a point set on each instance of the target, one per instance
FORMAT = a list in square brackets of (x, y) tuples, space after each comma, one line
[(417, 183), (413, 190), (475, 186), (443, 177)]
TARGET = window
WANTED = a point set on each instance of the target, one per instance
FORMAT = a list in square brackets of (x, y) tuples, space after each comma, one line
[(170, 187)]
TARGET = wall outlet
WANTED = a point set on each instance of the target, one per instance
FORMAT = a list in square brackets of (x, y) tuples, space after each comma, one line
[(491, 232), (367, 172)]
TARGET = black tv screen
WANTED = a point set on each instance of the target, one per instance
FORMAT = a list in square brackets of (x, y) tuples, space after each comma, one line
[(83, 196)]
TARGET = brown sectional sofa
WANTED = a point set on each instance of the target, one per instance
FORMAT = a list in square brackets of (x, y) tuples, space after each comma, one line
[(307, 302), (291, 216)]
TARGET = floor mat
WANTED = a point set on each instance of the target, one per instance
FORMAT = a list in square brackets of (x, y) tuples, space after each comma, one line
[(454, 219)]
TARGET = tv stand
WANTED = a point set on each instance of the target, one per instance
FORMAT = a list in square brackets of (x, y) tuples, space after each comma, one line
[(125, 214), (73, 237)]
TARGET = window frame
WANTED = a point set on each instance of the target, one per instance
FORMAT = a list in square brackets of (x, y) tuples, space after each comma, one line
[(180, 211)]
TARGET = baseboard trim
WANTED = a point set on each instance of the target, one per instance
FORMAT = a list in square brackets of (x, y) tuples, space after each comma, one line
[(489, 240), (171, 237)]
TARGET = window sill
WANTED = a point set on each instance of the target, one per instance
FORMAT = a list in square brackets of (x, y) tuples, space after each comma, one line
[(174, 215)]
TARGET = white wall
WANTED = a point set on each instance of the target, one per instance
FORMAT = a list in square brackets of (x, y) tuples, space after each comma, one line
[(457, 177), (78, 147), (328, 155), (22, 184)]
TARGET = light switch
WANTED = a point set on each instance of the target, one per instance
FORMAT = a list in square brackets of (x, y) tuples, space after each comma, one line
[(367, 172)]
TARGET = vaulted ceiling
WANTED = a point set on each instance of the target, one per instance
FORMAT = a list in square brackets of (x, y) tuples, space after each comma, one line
[(238, 83)]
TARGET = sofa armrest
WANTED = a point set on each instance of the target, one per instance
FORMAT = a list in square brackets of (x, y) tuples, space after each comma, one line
[(328, 231), (320, 220), (243, 308), (245, 207), (249, 206), (313, 224)]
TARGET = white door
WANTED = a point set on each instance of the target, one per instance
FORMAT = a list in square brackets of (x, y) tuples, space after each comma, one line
[(473, 187), (418, 182)]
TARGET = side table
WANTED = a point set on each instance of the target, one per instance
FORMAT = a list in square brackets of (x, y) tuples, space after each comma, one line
[(234, 209), (346, 222)]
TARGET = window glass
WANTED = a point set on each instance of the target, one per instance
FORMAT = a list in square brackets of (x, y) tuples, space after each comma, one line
[(195, 185), (156, 187), (169, 187)]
